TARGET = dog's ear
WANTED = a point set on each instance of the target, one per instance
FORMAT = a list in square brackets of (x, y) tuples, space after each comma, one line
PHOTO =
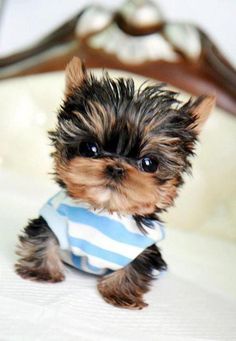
[(200, 109), (75, 74)]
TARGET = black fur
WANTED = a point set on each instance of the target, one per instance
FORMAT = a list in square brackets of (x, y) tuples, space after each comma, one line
[(151, 259), (38, 228), (133, 110)]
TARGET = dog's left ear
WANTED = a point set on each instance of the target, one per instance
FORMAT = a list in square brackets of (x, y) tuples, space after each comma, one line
[(200, 109), (75, 74)]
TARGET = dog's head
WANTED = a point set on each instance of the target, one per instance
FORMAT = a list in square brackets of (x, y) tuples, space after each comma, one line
[(122, 149)]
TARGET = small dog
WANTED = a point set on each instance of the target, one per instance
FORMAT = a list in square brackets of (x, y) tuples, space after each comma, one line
[(120, 155)]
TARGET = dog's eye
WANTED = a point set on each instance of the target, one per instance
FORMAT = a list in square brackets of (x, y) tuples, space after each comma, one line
[(149, 165), (88, 149)]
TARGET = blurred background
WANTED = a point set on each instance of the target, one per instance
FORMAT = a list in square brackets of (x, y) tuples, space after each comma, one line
[(25, 21)]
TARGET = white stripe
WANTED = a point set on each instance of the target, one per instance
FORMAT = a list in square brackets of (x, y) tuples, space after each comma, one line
[(99, 239), (126, 220), (96, 261), (130, 224), (84, 264), (58, 199), (73, 203), (155, 233)]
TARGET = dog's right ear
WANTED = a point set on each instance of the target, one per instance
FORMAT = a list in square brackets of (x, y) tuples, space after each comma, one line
[(75, 74), (200, 109)]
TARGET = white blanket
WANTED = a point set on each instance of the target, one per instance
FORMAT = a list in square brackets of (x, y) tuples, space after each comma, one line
[(194, 300)]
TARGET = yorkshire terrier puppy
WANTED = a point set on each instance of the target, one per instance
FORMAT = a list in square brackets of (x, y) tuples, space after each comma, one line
[(120, 155)]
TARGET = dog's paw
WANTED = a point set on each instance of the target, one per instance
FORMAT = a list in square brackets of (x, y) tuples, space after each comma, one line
[(119, 297), (40, 274)]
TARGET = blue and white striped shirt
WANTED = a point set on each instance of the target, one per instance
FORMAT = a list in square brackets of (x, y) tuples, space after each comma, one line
[(96, 241)]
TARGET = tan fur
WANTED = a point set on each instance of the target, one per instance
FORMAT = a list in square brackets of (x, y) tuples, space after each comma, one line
[(137, 193), (124, 288), (39, 262), (98, 120), (202, 108), (167, 193), (74, 75)]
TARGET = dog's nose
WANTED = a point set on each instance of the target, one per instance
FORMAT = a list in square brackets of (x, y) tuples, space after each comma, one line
[(116, 172)]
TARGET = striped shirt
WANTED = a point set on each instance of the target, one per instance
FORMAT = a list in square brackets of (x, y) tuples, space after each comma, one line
[(96, 241)]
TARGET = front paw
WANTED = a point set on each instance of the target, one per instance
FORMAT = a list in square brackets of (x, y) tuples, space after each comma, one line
[(39, 274), (120, 294)]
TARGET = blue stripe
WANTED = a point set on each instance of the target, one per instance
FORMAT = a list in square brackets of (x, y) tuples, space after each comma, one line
[(99, 252), (76, 261), (110, 227)]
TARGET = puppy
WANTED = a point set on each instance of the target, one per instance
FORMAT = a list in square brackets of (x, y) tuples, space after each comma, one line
[(120, 155)]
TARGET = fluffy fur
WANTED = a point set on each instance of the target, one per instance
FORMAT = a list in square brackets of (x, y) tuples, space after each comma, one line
[(127, 127)]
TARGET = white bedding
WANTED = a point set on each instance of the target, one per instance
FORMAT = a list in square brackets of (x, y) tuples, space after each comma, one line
[(194, 300)]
